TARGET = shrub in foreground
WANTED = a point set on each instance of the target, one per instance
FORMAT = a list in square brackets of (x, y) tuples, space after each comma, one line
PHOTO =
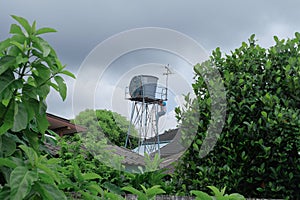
[(257, 153)]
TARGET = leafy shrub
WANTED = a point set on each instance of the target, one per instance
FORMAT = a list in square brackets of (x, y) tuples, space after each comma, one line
[(257, 153), (84, 174), (29, 67), (75, 160)]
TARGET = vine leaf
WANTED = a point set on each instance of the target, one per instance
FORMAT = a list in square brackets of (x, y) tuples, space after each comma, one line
[(21, 180)]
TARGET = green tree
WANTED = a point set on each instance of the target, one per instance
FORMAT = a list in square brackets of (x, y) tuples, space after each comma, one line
[(113, 125), (258, 151), (29, 67)]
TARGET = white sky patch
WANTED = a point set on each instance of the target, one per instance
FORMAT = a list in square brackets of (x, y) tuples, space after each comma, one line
[(281, 30), (168, 121)]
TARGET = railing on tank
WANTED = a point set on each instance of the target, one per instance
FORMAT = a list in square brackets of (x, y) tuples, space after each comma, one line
[(160, 94)]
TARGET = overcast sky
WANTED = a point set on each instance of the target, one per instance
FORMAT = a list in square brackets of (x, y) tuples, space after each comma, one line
[(82, 25)]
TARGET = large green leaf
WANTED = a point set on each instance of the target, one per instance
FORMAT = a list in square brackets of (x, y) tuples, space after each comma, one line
[(5, 44), (29, 91), (4, 193), (15, 138), (21, 180), (94, 188), (19, 46), (90, 176), (141, 195), (6, 82), (32, 109), (41, 45), (8, 145), (50, 175), (30, 153), (37, 110), (45, 30), (154, 190), (77, 173), (42, 90), (8, 119), (20, 117), (49, 191), (33, 27), (24, 23), (14, 51), (109, 195), (68, 73), (112, 187), (21, 59), (62, 87), (42, 123), (19, 38), (87, 195), (7, 163), (45, 178), (6, 62), (33, 139), (43, 72), (236, 196), (201, 195)]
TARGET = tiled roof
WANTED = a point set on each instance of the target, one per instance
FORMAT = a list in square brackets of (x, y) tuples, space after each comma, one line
[(174, 147), (52, 149), (63, 126), (167, 136), (130, 157)]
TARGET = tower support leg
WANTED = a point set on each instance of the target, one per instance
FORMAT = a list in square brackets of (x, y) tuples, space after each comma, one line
[(129, 127)]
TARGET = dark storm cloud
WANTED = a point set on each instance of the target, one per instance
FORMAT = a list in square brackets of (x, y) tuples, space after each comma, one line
[(82, 24)]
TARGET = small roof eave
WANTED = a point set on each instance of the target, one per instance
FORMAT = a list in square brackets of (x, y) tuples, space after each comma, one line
[(63, 126)]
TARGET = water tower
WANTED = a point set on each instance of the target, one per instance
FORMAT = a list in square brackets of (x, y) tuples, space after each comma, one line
[(148, 105)]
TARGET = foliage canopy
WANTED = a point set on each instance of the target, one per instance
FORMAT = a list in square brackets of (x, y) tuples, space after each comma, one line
[(257, 153)]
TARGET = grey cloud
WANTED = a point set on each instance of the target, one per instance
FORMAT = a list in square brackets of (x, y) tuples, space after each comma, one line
[(82, 25)]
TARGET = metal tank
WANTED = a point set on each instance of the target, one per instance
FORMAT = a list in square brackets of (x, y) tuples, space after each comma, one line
[(143, 86)]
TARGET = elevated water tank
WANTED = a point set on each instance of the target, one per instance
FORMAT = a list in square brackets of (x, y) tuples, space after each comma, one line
[(143, 86)]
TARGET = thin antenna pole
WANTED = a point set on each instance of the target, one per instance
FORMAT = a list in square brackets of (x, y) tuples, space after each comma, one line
[(167, 78)]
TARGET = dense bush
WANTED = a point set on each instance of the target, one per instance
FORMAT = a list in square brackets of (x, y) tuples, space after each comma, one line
[(76, 162), (257, 153), (113, 125), (85, 177)]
